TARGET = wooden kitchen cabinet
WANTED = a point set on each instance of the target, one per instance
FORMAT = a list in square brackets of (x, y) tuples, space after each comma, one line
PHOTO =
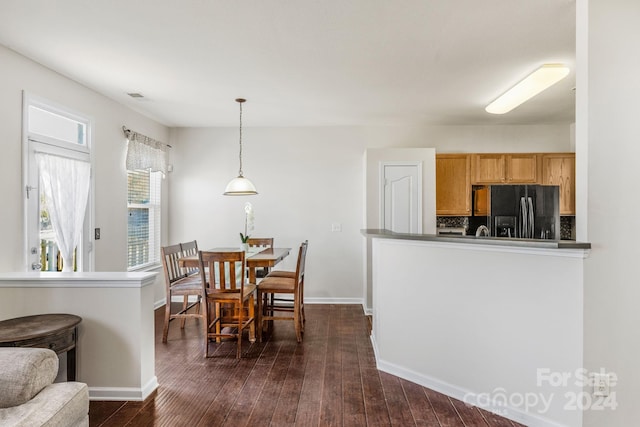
[(488, 168), (453, 184), (559, 169), (522, 168), (516, 168)]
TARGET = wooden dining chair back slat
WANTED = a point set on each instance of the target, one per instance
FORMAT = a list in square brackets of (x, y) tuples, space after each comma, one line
[(189, 249), (266, 242), (178, 283), (228, 298), (261, 242), (290, 284)]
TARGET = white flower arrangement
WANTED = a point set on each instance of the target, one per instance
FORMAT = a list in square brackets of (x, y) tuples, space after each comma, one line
[(248, 222)]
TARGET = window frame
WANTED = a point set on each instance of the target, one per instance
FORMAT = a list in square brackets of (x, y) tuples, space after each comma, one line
[(154, 208)]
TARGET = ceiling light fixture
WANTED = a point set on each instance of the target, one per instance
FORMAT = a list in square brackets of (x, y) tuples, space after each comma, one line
[(541, 79), (240, 186)]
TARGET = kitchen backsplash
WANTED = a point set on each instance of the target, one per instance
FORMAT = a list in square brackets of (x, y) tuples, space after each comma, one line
[(567, 224)]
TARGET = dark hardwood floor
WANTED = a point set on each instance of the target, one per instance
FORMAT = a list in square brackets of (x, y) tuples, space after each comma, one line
[(328, 380)]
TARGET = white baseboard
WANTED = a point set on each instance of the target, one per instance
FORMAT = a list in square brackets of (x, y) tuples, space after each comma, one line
[(163, 301), (124, 393), (358, 301)]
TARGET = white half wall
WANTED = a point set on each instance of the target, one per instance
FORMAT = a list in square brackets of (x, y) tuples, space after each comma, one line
[(115, 352), (492, 326)]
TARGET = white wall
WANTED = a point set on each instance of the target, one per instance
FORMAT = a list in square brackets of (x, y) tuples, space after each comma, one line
[(607, 130), (309, 178), (109, 148), (496, 139)]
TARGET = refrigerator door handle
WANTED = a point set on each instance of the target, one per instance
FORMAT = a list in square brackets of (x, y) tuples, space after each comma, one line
[(531, 218)]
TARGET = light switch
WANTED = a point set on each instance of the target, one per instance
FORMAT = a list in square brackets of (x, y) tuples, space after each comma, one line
[(336, 227)]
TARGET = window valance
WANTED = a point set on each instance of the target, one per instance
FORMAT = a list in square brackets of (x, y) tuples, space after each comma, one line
[(144, 153)]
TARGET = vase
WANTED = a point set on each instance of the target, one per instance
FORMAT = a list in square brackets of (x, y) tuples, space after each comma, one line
[(244, 247)]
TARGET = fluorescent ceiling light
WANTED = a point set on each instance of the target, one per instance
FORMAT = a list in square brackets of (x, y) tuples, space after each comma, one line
[(544, 77)]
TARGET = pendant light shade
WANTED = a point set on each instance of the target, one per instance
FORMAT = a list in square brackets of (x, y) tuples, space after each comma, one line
[(240, 186)]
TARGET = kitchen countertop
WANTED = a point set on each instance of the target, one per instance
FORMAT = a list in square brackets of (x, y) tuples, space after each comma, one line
[(473, 240)]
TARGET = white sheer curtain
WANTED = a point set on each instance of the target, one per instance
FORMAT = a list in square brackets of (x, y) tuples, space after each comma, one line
[(65, 184), (144, 153)]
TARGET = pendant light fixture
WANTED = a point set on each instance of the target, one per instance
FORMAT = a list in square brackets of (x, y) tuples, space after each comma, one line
[(240, 186)]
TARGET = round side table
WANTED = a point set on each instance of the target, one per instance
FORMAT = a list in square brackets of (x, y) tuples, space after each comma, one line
[(57, 332)]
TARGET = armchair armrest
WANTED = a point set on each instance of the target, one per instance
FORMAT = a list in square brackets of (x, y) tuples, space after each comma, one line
[(24, 372)]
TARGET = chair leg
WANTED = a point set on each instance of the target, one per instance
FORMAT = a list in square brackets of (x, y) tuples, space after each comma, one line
[(252, 316), (260, 315), (185, 304), (240, 312), (302, 316), (205, 312), (218, 314), (167, 317), (297, 321)]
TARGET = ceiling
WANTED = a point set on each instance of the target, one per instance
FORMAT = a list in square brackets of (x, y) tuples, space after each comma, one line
[(304, 62)]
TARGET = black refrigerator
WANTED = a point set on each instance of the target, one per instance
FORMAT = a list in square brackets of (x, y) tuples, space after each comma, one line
[(525, 211)]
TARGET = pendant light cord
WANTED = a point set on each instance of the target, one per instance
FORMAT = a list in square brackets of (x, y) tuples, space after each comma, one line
[(240, 170)]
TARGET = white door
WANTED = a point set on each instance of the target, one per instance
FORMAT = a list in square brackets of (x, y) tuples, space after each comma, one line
[(401, 197), (51, 130)]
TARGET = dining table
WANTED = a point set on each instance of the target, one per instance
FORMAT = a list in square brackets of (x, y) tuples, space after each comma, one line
[(255, 258)]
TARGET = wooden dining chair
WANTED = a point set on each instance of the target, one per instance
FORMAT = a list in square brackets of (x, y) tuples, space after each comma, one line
[(229, 300), (271, 285), (261, 242), (291, 274), (179, 282)]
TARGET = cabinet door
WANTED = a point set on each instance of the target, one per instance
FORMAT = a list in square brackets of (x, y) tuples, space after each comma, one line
[(453, 186), (522, 168), (559, 169), (488, 168)]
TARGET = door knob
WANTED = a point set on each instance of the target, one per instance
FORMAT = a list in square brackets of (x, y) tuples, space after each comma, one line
[(36, 266)]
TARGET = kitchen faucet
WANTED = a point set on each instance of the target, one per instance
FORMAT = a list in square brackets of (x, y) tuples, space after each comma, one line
[(482, 231)]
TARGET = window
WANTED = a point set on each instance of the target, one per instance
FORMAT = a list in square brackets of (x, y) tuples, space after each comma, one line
[(143, 227), (51, 124)]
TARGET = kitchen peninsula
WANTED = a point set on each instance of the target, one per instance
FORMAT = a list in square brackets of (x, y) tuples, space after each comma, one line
[(486, 317)]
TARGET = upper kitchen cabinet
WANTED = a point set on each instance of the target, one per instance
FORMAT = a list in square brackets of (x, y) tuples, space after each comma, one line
[(559, 169), (522, 168), (488, 168), (516, 168), (453, 184)]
